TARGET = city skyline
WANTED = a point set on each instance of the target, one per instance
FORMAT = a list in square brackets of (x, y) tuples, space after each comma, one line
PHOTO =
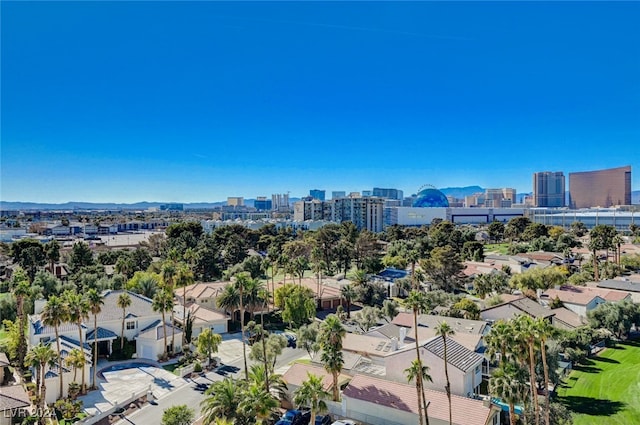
[(195, 102)]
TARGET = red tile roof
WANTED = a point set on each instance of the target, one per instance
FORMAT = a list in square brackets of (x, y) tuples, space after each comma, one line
[(297, 374), (403, 397)]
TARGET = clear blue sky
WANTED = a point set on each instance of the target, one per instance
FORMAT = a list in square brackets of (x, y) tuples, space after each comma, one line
[(163, 101)]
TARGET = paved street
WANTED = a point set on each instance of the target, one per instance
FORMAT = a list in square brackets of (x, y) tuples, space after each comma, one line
[(230, 353)]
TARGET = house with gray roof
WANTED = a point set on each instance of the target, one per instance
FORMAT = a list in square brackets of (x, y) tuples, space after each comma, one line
[(14, 404), (464, 365), (513, 308)]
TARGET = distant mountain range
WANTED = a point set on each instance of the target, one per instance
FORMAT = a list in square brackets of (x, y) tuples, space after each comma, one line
[(457, 192)]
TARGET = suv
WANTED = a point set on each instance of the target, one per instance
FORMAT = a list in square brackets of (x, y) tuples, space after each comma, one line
[(295, 417)]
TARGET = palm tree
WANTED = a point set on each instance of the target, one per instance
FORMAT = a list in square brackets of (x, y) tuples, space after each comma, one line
[(526, 332), (208, 343), (413, 372), (359, 277), (507, 383), (348, 293), (417, 301), (241, 280), (40, 356), (312, 394), (77, 310), (617, 241), (169, 274), (229, 300), (162, 302), (259, 405), (222, 401), (500, 339), (75, 359), (54, 314), (258, 375), (124, 301), (184, 279), (331, 334), (94, 298), (444, 330), (544, 330)]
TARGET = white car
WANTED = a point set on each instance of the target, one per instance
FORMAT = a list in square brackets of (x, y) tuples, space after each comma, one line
[(344, 422)]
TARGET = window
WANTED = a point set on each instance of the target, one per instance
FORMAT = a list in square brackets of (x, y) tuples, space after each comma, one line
[(478, 368), (132, 325)]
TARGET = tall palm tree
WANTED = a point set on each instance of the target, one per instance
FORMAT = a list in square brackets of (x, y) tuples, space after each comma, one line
[(445, 331), (169, 274), (258, 375), (184, 278), (124, 301), (500, 339), (413, 372), (77, 310), (348, 293), (331, 334), (417, 301), (94, 298), (163, 302), (40, 356), (526, 332), (544, 331), (54, 313), (241, 280), (75, 359), (21, 290), (507, 383), (313, 395)]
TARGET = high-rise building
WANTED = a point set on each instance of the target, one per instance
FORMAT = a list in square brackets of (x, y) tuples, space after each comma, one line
[(601, 188), (365, 213), (388, 193), (280, 202), (317, 194), (235, 201), (262, 203), (338, 194), (499, 198), (548, 189)]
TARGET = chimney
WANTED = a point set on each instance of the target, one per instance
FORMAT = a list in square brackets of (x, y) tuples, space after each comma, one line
[(403, 334), (394, 344)]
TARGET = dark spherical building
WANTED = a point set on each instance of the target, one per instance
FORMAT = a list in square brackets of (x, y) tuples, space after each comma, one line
[(431, 197)]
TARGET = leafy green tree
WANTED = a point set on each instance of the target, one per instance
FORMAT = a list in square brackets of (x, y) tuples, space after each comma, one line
[(208, 343), (312, 394), (490, 283), (21, 291), (534, 231), (307, 338), (297, 303), (80, 256), (516, 227), (29, 254), (52, 253), (178, 415), (473, 251), (617, 318), (331, 335), (468, 308), (443, 268), (389, 310), (496, 231), (268, 352), (145, 283), (367, 318)]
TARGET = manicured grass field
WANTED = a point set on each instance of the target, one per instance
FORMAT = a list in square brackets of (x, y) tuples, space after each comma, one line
[(500, 248), (607, 389)]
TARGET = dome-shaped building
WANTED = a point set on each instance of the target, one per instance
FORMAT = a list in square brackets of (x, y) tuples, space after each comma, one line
[(429, 196)]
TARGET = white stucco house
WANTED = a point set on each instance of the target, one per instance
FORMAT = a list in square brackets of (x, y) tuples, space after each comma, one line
[(150, 341), (583, 299), (137, 317), (203, 318)]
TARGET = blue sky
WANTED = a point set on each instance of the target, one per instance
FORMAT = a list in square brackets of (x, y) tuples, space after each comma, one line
[(197, 101)]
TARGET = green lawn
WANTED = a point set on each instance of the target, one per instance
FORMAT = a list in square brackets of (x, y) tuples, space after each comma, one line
[(607, 389), (500, 248)]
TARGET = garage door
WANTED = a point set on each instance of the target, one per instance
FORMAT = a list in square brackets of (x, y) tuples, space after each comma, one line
[(147, 352)]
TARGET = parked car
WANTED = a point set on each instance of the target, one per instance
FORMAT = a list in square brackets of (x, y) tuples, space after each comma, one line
[(292, 339), (344, 422), (295, 417), (323, 420)]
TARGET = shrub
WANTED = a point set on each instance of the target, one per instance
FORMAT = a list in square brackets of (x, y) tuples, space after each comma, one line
[(197, 367)]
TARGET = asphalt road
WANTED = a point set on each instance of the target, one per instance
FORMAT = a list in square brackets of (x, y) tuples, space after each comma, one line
[(191, 396)]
